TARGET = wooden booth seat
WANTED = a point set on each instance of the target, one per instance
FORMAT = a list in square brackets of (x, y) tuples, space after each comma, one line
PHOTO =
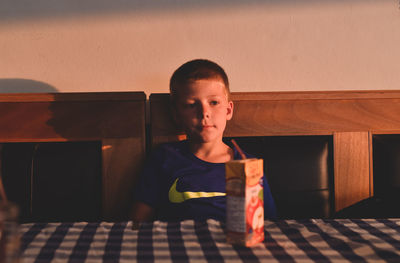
[(72, 156), (317, 146)]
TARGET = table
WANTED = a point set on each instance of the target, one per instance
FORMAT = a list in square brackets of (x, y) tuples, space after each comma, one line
[(339, 240)]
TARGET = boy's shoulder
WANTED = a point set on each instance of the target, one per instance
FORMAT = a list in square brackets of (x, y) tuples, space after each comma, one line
[(236, 154), (171, 155), (169, 149), (172, 146)]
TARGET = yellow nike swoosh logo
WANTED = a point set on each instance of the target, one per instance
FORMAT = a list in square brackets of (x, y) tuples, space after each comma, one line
[(179, 197)]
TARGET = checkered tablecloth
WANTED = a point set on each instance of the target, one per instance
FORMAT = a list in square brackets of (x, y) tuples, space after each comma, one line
[(317, 240)]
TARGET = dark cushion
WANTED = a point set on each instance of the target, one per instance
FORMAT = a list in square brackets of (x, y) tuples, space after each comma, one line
[(299, 170), (386, 173), (58, 181), (16, 163)]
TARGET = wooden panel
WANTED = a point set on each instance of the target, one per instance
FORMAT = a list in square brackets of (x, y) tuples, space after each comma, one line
[(371, 164), (352, 168), (295, 113), (287, 117), (117, 119), (317, 95), (122, 159), (162, 123), (61, 120), (72, 96)]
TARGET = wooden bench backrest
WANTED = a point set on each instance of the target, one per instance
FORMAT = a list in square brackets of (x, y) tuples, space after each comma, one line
[(116, 119)]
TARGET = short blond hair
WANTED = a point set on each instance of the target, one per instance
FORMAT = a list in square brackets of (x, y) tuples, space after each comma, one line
[(196, 70)]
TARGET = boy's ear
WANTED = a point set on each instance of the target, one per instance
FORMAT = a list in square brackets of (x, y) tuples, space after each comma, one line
[(229, 110)]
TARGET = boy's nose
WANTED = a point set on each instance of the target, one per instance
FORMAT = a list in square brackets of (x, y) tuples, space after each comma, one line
[(204, 111)]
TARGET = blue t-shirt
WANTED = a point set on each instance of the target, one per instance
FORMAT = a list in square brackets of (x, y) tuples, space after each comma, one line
[(180, 186)]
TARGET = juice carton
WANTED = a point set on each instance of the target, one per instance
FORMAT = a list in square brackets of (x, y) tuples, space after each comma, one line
[(245, 202)]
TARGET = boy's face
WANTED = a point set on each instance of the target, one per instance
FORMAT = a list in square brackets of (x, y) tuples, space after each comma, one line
[(202, 108)]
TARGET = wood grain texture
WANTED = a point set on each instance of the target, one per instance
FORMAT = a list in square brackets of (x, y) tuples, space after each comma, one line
[(66, 120), (291, 117), (72, 96), (294, 113), (163, 128), (312, 95), (352, 168), (371, 163)]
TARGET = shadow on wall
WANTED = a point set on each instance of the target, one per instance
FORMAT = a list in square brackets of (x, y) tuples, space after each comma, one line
[(25, 86), (17, 10)]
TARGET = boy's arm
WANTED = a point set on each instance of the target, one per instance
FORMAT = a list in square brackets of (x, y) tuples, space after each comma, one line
[(269, 203), (141, 212), (146, 191)]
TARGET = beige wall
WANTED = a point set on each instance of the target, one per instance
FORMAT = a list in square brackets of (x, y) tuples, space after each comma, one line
[(264, 46)]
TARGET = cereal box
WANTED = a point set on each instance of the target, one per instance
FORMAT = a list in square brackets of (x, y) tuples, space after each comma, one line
[(245, 204)]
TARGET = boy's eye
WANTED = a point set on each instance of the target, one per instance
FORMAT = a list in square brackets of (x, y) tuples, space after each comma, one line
[(214, 102), (190, 105)]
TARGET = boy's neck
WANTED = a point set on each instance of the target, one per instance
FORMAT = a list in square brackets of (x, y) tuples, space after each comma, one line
[(213, 152)]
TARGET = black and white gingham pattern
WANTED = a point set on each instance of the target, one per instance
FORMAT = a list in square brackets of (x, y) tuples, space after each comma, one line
[(341, 240)]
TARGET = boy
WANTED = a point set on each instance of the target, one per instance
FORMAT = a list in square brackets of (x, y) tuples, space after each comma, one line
[(186, 180)]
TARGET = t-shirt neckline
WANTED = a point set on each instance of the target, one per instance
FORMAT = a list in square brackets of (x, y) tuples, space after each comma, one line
[(236, 155)]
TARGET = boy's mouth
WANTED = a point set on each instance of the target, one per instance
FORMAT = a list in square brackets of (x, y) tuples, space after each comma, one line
[(205, 127)]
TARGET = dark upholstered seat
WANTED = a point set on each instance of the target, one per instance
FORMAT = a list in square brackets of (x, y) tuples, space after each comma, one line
[(299, 170), (386, 156)]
